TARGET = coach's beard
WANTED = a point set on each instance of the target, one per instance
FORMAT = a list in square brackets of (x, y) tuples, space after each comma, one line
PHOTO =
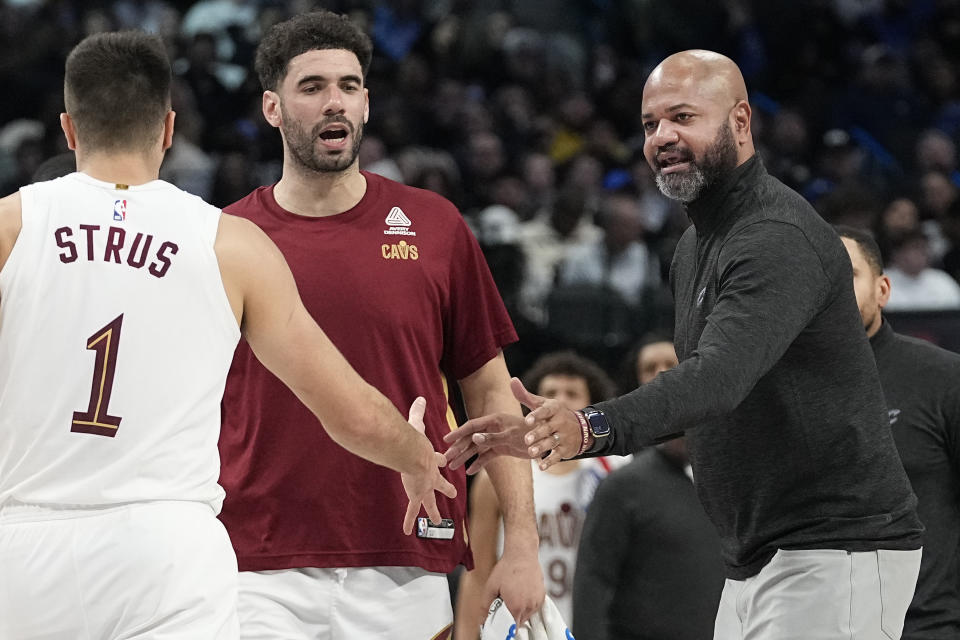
[(719, 159)]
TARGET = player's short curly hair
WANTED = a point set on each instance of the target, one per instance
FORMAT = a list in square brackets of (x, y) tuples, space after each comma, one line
[(306, 32), (568, 363)]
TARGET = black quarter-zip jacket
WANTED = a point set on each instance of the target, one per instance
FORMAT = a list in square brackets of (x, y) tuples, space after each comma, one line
[(921, 383), (777, 388)]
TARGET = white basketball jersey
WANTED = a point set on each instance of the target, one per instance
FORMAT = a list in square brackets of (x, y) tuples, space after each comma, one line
[(560, 514), (115, 340)]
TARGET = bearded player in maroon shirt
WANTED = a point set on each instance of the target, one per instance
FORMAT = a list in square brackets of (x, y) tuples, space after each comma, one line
[(394, 277)]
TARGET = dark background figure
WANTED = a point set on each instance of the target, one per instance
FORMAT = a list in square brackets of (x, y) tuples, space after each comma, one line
[(649, 566), (920, 383)]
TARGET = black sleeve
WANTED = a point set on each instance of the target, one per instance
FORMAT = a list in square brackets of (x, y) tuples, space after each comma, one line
[(771, 283), (604, 542), (951, 413)]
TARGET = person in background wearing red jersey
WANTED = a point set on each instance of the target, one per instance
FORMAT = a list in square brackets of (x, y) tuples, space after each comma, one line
[(396, 279)]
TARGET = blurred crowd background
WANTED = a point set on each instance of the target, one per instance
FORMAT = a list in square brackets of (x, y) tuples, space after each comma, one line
[(526, 114)]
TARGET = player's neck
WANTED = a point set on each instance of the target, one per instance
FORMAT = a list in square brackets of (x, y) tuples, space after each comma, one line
[(125, 167), (309, 193)]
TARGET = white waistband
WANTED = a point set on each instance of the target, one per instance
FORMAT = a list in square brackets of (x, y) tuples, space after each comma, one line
[(14, 511)]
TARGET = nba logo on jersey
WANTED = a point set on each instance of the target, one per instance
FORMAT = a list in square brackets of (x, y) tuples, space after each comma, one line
[(120, 210)]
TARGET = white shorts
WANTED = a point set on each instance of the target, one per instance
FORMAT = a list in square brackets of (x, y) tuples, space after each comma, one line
[(373, 603), (162, 570), (821, 594)]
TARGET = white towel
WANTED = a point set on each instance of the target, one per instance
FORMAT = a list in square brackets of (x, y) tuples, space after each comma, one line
[(545, 624)]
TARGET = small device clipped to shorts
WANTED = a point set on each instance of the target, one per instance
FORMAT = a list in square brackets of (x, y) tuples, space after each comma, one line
[(442, 531)]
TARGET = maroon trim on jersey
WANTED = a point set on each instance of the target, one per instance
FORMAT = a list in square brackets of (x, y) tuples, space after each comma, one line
[(445, 633)]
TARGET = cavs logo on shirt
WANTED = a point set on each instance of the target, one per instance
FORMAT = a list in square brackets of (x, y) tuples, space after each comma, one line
[(120, 210), (399, 223), (400, 251)]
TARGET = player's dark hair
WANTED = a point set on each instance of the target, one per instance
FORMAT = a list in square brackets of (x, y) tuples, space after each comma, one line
[(117, 90), (568, 363), (305, 32), (867, 244)]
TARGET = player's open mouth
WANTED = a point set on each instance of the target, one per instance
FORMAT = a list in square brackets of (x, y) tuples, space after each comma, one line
[(334, 136)]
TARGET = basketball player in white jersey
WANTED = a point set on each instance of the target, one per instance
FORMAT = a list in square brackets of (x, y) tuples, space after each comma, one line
[(121, 301)]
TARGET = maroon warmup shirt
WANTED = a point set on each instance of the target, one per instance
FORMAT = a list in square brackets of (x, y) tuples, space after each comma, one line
[(400, 286)]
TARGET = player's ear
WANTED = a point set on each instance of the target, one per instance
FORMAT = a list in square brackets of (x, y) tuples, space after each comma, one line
[(69, 131), (168, 129), (271, 108), (883, 290)]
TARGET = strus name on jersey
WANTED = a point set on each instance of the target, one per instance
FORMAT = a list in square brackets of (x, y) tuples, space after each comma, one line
[(114, 244)]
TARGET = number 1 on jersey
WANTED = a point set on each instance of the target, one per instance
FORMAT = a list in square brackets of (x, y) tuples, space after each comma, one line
[(96, 419)]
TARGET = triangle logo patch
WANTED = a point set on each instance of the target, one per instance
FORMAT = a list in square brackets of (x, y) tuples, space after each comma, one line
[(396, 218)]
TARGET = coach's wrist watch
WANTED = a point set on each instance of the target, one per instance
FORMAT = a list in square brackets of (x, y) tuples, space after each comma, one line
[(597, 422)]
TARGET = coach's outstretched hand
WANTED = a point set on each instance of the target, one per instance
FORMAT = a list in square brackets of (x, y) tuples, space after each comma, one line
[(549, 427), (420, 487)]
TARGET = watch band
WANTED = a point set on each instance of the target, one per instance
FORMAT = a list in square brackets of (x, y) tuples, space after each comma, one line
[(584, 431)]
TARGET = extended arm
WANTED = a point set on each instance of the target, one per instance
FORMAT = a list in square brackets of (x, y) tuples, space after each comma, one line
[(517, 576), (484, 518), (771, 284)]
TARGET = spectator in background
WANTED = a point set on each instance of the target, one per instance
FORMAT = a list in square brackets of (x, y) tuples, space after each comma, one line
[(789, 147), (229, 23), (485, 161), (899, 217), (541, 178), (546, 242), (561, 496), (938, 194), (28, 155), (234, 178), (649, 565), (951, 230), (619, 259), (187, 165), (920, 384), (936, 151), (374, 158), (915, 285), (56, 166), (838, 163)]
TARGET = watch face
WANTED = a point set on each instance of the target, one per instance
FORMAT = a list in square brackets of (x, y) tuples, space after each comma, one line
[(598, 423)]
